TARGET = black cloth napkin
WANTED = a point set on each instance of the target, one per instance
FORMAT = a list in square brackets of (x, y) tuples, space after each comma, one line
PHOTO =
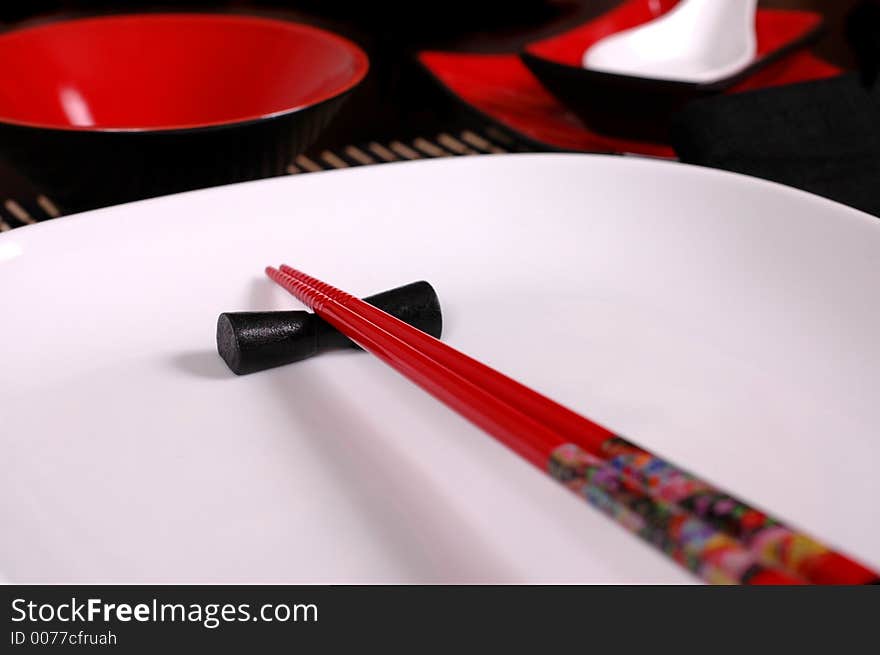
[(821, 136), (863, 33)]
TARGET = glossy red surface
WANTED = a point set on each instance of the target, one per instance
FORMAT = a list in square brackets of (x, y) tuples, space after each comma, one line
[(504, 90), (569, 47), (774, 28), (169, 71)]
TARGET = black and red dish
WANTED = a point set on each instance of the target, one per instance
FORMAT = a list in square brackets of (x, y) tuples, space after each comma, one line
[(637, 107), (500, 89), (99, 111)]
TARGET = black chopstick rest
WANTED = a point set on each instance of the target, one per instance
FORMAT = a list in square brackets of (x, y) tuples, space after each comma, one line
[(254, 341)]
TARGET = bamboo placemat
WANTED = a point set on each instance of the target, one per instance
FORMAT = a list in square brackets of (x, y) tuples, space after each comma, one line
[(452, 143), (22, 204)]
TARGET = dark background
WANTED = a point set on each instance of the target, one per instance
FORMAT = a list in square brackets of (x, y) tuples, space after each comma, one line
[(397, 100)]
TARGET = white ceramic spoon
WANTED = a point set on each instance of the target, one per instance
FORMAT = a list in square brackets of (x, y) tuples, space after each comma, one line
[(698, 41)]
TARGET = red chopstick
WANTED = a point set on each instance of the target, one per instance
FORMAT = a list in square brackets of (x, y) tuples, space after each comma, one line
[(695, 517), (708, 552)]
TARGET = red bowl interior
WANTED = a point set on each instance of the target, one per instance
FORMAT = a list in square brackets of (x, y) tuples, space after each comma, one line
[(169, 71)]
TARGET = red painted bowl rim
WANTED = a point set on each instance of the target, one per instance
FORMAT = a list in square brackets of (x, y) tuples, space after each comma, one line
[(361, 61)]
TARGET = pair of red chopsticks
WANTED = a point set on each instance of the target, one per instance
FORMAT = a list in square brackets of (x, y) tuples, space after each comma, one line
[(718, 537)]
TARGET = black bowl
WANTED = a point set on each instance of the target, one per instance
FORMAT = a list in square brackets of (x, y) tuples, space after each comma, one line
[(618, 105), (642, 108), (106, 110)]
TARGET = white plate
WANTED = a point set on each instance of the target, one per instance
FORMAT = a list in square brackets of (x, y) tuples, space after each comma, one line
[(727, 323)]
